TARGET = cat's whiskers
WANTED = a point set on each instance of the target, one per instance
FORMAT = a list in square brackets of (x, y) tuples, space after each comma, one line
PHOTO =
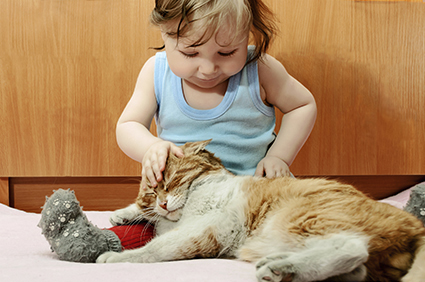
[(151, 213), (154, 219), (149, 223), (148, 209), (148, 215), (135, 221), (175, 202)]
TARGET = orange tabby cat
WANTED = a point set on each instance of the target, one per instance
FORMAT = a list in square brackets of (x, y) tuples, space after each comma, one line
[(294, 229)]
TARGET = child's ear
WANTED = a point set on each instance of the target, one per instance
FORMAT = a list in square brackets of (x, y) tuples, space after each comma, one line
[(195, 147)]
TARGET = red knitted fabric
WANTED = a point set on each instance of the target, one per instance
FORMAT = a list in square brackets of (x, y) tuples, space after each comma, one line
[(134, 236)]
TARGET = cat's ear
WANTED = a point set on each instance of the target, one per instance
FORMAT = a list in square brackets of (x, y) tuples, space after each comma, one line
[(195, 147)]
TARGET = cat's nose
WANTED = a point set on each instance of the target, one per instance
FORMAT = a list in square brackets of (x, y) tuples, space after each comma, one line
[(163, 205)]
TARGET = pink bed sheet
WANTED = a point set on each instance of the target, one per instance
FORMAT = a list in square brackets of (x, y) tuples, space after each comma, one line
[(25, 256)]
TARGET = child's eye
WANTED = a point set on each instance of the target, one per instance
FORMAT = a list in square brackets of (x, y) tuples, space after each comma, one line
[(228, 54), (189, 55)]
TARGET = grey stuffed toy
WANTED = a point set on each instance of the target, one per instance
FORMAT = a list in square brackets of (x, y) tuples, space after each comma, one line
[(70, 235), (416, 203)]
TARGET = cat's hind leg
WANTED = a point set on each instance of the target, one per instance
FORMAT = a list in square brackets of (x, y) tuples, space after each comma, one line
[(321, 258), (357, 274)]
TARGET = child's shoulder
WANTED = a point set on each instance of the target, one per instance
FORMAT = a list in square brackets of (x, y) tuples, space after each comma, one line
[(270, 69), (149, 65)]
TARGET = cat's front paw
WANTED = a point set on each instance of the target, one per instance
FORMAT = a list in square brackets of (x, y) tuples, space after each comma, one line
[(109, 257), (125, 215), (134, 256), (267, 273), (276, 269)]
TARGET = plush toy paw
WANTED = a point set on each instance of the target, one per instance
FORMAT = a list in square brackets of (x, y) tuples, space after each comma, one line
[(60, 209), (70, 234), (416, 203)]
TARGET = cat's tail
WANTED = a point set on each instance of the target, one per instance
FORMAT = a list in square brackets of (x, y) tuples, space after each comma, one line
[(417, 272)]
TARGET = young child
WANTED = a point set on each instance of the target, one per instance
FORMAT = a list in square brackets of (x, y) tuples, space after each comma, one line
[(209, 84)]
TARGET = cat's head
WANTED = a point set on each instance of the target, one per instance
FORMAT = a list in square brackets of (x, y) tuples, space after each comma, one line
[(169, 197)]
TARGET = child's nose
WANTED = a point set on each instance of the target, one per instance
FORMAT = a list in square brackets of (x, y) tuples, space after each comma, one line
[(207, 67)]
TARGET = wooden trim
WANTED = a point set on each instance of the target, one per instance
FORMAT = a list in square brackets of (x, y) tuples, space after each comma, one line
[(4, 190), (94, 193), (111, 193), (377, 186)]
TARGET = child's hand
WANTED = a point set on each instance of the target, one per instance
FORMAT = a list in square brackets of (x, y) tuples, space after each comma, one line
[(153, 163), (272, 167)]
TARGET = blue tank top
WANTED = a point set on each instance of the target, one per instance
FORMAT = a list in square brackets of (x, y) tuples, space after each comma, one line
[(241, 126)]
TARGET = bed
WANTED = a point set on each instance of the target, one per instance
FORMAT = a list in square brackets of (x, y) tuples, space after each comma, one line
[(25, 256)]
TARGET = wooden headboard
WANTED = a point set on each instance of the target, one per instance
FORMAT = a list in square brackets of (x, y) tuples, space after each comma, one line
[(69, 67), (111, 193)]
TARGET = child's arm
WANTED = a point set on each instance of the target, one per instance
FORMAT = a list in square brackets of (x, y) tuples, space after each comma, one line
[(133, 135), (280, 89)]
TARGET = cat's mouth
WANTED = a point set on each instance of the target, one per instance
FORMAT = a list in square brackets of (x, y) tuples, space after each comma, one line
[(171, 207), (173, 215)]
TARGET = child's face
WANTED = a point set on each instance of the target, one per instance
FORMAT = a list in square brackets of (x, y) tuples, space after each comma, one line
[(210, 64)]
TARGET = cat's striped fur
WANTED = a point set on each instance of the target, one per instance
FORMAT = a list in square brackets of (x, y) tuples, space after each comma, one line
[(294, 229)]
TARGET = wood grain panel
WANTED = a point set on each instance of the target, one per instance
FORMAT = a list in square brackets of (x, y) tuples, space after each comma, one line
[(69, 67), (365, 63), (67, 70)]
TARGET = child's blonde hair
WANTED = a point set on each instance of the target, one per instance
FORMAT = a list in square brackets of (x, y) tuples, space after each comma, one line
[(243, 15)]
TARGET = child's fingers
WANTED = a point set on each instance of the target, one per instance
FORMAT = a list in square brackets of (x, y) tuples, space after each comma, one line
[(155, 160), (161, 161), (148, 174), (272, 167), (270, 174), (260, 170), (143, 183), (158, 163), (278, 172), (177, 151), (274, 174)]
